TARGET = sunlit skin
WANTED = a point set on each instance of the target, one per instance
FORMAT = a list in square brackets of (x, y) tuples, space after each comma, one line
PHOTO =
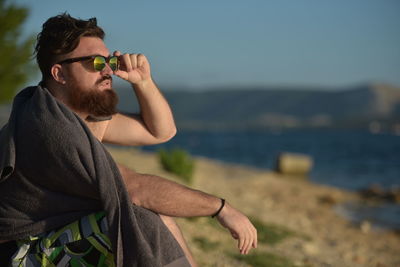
[(154, 125)]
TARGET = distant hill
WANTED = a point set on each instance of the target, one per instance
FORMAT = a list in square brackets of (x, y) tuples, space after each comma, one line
[(277, 108)]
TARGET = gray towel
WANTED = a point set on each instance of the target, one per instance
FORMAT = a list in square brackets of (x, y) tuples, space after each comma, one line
[(54, 171)]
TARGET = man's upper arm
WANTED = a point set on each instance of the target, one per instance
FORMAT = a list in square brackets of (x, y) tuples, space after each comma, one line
[(129, 130)]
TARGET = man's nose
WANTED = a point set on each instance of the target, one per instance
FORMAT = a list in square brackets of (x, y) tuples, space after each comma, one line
[(107, 70)]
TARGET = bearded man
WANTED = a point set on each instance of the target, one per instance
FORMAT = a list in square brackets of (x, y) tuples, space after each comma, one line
[(64, 201)]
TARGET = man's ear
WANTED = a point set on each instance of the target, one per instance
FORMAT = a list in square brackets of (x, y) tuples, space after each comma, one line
[(57, 73)]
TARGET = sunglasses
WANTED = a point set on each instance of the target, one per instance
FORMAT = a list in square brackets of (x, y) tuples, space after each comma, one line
[(99, 62)]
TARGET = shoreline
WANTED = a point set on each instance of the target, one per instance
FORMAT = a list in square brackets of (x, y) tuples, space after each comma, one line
[(299, 205)]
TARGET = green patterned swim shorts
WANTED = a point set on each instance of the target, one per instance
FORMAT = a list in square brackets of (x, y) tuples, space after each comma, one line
[(81, 243)]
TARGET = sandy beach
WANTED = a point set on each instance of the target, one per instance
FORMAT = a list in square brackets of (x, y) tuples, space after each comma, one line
[(312, 232)]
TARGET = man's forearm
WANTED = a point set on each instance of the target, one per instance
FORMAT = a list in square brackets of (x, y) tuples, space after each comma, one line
[(166, 197), (172, 199), (154, 109)]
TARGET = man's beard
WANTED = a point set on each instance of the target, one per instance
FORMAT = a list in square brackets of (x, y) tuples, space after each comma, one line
[(95, 102)]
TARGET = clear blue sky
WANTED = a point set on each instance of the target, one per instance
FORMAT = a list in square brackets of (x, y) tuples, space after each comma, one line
[(227, 42)]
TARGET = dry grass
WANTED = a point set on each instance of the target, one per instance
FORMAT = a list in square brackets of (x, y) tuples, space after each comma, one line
[(296, 227)]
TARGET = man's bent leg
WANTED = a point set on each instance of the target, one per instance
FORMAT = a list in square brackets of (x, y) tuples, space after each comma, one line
[(131, 183), (177, 233)]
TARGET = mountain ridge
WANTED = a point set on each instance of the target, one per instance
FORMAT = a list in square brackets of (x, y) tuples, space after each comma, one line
[(290, 107)]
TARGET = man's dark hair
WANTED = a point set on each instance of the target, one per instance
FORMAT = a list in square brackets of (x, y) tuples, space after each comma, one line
[(60, 35)]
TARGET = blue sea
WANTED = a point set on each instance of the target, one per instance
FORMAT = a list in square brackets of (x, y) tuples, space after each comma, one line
[(352, 160)]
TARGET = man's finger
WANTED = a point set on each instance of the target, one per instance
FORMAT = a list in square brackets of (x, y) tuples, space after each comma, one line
[(241, 243), (245, 244), (249, 241), (255, 242), (141, 59), (127, 61), (243, 249), (133, 58), (252, 239)]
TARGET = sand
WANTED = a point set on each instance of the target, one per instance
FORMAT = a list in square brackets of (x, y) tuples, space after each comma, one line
[(323, 237)]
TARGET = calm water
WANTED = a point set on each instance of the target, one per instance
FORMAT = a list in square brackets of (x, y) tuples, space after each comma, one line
[(351, 160), (347, 159)]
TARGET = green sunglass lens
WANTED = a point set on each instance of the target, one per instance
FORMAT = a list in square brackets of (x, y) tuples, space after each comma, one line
[(99, 63), (113, 63)]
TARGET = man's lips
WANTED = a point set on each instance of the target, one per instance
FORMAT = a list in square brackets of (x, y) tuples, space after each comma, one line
[(105, 79)]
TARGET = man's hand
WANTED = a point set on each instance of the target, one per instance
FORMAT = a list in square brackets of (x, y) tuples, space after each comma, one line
[(134, 68), (240, 227)]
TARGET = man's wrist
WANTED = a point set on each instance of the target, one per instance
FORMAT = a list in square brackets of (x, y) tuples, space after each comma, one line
[(143, 84), (220, 208)]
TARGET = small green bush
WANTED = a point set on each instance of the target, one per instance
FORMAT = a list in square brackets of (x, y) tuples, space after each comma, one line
[(179, 162)]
